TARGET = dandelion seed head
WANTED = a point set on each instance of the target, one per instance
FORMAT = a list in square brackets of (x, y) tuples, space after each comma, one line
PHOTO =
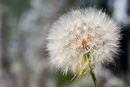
[(80, 32)]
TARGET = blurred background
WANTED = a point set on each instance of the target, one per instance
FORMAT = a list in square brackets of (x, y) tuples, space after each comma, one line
[(24, 25)]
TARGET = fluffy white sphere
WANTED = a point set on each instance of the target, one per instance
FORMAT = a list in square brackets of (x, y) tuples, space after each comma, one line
[(80, 32)]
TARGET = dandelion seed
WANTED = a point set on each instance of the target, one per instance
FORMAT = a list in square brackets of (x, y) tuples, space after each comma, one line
[(81, 40)]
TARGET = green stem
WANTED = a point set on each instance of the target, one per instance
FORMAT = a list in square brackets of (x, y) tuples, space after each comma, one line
[(93, 77)]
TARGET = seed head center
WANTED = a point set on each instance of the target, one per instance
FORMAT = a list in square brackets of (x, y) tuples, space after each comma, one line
[(83, 43)]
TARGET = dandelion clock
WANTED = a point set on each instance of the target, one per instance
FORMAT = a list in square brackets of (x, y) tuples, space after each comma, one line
[(82, 39)]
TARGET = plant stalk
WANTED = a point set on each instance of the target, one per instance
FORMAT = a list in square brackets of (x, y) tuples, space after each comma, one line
[(93, 77)]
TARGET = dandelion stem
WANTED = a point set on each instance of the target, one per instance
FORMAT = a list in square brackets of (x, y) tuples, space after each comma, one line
[(93, 77)]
